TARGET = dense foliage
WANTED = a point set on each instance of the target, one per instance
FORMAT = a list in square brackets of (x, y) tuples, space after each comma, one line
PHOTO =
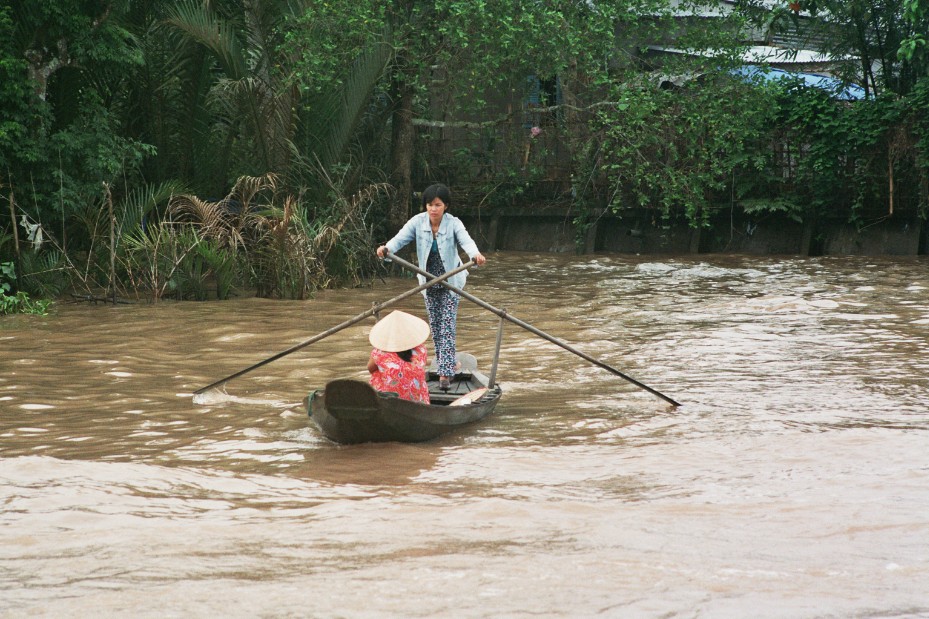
[(196, 148)]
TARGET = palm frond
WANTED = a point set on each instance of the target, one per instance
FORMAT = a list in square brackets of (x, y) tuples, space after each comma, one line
[(191, 209), (209, 29), (247, 187), (44, 273), (227, 221), (336, 115), (139, 203)]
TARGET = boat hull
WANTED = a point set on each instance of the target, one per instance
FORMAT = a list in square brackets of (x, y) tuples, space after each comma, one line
[(350, 411)]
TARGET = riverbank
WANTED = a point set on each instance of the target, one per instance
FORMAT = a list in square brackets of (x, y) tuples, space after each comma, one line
[(552, 230)]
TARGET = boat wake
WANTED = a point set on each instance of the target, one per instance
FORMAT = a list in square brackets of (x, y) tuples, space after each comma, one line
[(214, 397)]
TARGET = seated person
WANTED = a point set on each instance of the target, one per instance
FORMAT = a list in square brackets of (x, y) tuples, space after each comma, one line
[(398, 361)]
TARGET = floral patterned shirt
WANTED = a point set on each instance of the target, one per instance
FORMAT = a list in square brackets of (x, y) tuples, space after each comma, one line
[(407, 380)]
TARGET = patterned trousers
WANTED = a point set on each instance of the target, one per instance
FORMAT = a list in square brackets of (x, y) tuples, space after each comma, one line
[(442, 306)]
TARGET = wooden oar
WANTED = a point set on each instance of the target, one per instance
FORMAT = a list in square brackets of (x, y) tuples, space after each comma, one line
[(371, 312), (531, 329)]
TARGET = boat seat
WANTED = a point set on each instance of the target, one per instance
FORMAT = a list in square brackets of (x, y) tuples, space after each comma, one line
[(353, 397), (469, 398)]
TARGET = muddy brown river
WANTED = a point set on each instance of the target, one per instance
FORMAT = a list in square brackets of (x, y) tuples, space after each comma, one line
[(792, 482)]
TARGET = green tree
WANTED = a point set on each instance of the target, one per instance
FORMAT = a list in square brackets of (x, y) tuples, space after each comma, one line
[(885, 39), (452, 57), (64, 66), (228, 75), (678, 152)]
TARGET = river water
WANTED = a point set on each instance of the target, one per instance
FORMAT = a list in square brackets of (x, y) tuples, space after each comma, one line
[(793, 480)]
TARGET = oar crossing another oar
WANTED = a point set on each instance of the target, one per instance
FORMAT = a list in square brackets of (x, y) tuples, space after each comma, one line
[(431, 281), (351, 321), (554, 340)]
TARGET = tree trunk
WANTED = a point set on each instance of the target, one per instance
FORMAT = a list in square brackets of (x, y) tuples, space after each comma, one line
[(401, 149), (41, 67)]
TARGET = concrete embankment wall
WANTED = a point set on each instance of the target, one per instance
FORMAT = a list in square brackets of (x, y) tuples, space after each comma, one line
[(552, 230)]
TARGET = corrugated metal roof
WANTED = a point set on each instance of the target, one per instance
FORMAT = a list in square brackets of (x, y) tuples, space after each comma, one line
[(834, 86), (842, 91), (760, 53)]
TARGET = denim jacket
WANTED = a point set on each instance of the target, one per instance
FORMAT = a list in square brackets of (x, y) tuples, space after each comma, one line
[(452, 233)]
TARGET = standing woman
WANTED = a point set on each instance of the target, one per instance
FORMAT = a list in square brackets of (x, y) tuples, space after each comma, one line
[(438, 234)]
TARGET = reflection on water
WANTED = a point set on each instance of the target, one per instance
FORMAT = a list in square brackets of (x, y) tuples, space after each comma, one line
[(792, 482)]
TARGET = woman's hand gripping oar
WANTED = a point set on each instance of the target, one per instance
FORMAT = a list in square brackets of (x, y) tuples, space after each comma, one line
[(531, 329), (371, 312)]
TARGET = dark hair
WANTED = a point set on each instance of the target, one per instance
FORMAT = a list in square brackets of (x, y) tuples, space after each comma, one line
[(437, 191), (406, 355)]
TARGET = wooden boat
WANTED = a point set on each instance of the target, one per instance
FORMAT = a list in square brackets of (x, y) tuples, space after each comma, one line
[(350, 411)]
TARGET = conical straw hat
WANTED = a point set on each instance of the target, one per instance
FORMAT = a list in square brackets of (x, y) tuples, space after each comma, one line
[(399, 331)]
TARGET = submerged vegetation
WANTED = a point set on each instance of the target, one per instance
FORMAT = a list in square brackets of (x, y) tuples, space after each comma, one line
[(18, 303), (197, 150), (160, 242)]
